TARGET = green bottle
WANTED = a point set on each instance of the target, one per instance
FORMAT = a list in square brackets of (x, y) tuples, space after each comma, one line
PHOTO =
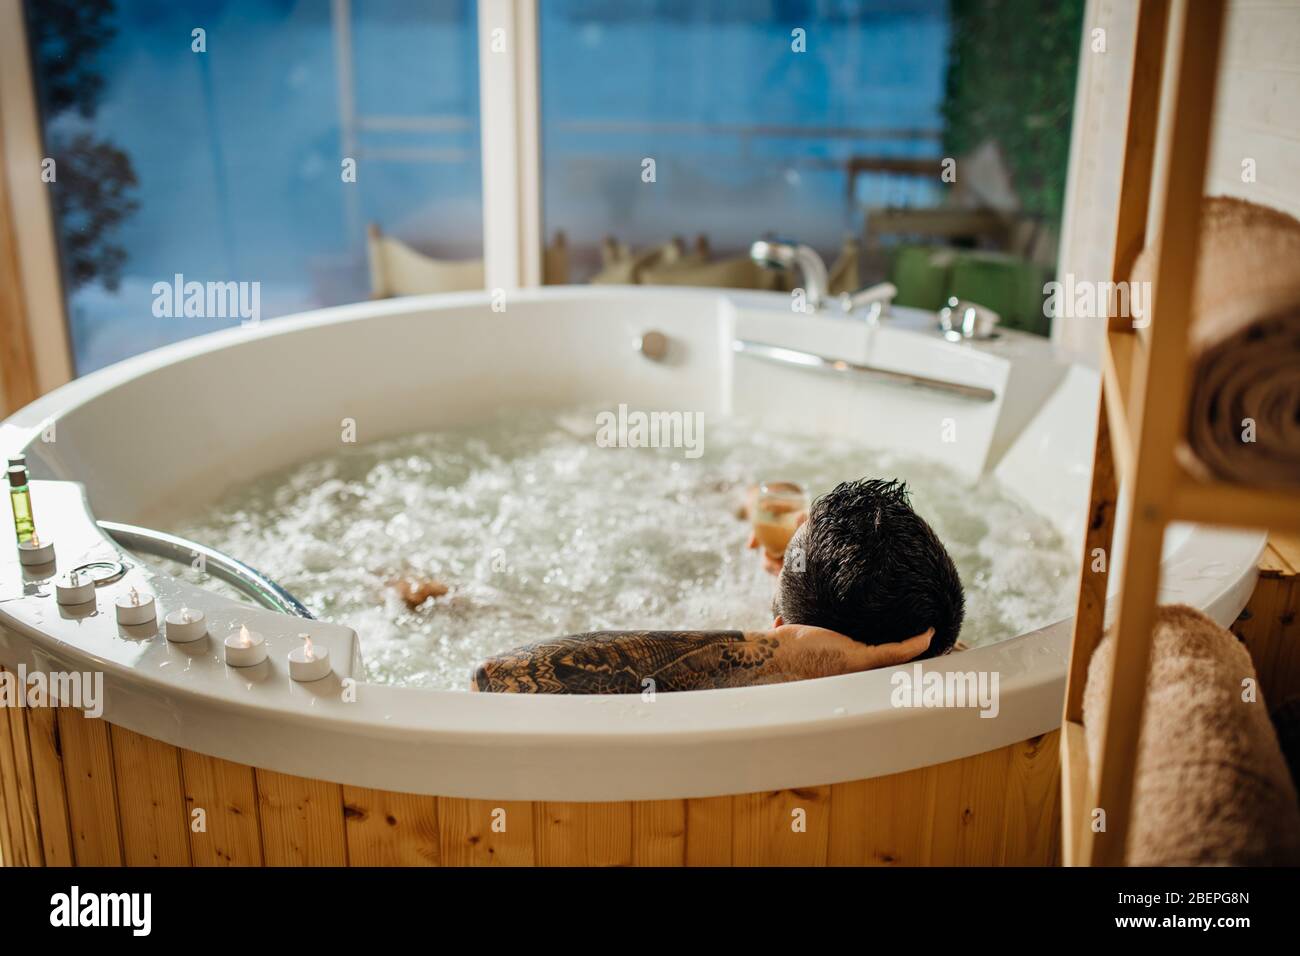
[(21, 499)]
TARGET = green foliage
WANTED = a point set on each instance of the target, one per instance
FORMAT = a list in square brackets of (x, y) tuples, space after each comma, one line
[(1011, 75), (94, 180), (66, 37), (92, 199)]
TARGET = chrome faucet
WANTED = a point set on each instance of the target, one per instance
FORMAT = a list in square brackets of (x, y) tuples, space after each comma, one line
[(786, 254)]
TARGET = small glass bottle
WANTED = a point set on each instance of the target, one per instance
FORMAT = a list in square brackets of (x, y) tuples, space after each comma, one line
[(20, 499)]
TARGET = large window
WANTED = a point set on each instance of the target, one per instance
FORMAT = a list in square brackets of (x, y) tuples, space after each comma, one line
[(304, 153), (751, 113), (213, 141), (923, 142)]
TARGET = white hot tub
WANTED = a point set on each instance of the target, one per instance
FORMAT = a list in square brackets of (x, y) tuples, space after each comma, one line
[(160, 434)]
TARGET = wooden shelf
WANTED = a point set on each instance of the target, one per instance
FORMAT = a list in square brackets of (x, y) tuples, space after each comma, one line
[(1074, 791), (1237, 506), (1192, 499), (1145, 373), (1119, 360)]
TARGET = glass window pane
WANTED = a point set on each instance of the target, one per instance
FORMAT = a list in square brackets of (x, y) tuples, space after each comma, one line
[(718, 122), (211, 141)]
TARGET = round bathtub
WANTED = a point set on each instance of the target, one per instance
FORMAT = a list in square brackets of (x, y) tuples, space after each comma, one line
[(345, 771)]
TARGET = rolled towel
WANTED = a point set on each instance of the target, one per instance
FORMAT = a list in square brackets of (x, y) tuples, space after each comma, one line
[(1245, 345), (1210, 786)]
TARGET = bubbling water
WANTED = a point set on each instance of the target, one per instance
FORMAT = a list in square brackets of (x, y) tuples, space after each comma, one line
[(539, 532)]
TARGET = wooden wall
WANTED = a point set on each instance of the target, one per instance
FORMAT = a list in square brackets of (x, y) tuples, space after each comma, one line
[(18, 383), (1270, 624), (82, 791), (1257, 107), (34, 352)]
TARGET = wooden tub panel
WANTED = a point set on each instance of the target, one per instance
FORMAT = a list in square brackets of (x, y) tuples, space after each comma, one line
[(88, 780), (151, 800), (78, 790)]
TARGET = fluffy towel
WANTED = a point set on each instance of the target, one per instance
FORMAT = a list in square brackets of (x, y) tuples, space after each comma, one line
[(1245, 343), (1211, 785)]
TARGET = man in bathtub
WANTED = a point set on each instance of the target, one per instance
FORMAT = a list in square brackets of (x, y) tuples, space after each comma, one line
[(864, 583)]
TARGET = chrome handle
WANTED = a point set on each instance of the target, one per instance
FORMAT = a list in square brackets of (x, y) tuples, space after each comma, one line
[(960, 320), (878, 297), (244, 579), (796, 358)]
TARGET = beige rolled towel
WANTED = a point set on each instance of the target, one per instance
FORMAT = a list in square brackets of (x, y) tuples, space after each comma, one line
[(1211, 786), (1245, 343)]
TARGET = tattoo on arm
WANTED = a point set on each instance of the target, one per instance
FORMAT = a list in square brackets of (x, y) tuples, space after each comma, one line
[(617, 662)]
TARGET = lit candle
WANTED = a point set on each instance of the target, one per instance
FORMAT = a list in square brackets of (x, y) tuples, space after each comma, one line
[(245, 648), (34, 551), (309, 663), (186, 625), (134, 608), (73, 588)]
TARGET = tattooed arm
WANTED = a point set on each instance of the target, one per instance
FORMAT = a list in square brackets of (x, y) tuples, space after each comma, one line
[(620, 662)]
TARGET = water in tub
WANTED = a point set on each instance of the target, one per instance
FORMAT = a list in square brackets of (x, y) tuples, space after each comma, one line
[(539, 531)]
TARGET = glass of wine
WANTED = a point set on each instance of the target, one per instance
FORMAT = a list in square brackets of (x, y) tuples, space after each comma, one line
[(777, 509)]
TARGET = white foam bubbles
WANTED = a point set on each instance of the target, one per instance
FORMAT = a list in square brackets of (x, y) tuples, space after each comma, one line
[(538, 532)]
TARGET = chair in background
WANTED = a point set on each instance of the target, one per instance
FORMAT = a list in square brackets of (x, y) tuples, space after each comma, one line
[(738, 273), (672, 264), (555, 261), (978, 245), (845, 271), (621, 266), (397, 269)]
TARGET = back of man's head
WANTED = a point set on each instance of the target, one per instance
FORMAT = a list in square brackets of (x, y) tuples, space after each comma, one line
[(872, 569)]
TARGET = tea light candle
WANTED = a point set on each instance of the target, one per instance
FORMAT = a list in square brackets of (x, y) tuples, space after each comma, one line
[(74, 588), (135, 608), (35, 551), (309, 663), (186, 625), (245, 648)]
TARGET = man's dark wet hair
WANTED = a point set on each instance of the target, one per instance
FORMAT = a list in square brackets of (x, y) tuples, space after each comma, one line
[(873, 569)]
